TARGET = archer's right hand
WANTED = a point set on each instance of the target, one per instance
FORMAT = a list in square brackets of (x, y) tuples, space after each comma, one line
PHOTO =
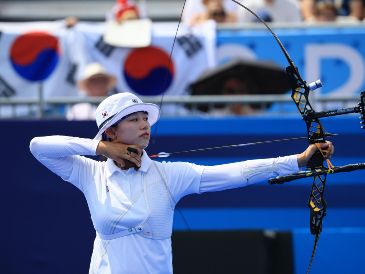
[(119, 153)]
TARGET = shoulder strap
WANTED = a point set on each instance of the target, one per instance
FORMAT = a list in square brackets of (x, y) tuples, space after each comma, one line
[(161, 171)]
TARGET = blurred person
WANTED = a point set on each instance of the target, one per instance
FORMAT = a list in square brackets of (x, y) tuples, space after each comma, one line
[(356, 9), (132, 198), (194, 7), (307, 8), (95, 82), (325, 12), (213, 10), (277, 11), (237, 86), (347, 9), (71, 21), (125, 10)]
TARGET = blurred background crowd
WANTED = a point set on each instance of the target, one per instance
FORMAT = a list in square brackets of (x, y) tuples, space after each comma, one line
[(196, 11), (128, 24)]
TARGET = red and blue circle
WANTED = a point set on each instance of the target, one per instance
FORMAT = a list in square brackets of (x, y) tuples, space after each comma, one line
[(148, 71), (35, 55)]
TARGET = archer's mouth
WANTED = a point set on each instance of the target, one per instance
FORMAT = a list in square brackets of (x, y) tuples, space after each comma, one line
[(145, 135)]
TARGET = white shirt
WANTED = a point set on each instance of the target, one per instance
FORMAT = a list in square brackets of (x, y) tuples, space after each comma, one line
[(119, 200)]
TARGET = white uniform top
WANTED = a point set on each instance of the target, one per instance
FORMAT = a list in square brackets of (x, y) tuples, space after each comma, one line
[(131, 210)]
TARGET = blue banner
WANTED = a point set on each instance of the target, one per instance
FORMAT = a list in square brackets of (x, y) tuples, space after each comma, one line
[(336, 55)]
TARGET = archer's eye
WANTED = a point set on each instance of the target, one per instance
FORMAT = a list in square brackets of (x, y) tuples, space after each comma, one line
[(132, 118)]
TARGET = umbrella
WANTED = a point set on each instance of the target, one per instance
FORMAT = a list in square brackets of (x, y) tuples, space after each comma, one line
[(242, 77)]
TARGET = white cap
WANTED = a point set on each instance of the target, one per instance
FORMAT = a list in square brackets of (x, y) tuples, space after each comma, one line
[(117, 106)]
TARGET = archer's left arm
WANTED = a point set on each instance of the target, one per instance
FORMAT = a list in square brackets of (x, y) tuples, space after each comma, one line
[(240, 174)]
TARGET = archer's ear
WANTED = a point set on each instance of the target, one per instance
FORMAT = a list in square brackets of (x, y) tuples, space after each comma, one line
[(110, 133)]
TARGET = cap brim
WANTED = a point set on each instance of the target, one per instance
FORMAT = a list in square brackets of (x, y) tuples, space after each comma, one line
[(152, 110)]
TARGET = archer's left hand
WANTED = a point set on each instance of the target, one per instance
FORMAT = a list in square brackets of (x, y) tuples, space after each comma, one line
[(327, 149)]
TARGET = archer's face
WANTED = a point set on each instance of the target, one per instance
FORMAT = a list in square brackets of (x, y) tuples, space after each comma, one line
[(134, 130)]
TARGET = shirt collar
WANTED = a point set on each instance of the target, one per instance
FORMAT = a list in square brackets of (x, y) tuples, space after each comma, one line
[(112, 168)]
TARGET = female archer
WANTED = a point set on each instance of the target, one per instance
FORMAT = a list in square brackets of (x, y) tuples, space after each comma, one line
[(132, 198)]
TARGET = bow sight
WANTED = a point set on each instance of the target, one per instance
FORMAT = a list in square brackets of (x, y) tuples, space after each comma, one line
[(358, 109)]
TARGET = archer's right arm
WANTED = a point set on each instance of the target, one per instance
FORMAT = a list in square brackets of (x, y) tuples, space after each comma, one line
[(61, 153)]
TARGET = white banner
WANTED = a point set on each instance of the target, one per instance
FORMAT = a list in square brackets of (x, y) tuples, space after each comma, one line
[(49, 57)]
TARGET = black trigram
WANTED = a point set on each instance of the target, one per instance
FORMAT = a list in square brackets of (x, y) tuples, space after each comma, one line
[(103, 47), (5, 89), (190, 44), (70, 78)]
